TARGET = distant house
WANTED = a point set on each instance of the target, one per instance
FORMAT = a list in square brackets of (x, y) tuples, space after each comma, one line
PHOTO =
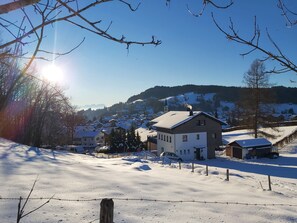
[(247, 148), (191, 135), (88, 139), (148, 137)]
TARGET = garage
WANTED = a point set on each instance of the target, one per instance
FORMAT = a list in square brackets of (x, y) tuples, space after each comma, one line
[(237, 152), (248, 148)]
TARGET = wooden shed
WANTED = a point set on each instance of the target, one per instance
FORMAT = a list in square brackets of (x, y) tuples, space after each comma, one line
[(248, 148)]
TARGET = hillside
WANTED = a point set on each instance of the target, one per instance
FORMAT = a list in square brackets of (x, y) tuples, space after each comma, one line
[(146, 190), (231, 94)]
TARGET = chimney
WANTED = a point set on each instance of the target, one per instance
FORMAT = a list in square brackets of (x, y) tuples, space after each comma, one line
[(189, 108)]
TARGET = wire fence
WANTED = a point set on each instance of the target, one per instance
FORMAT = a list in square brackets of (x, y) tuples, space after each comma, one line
[(151, 200)]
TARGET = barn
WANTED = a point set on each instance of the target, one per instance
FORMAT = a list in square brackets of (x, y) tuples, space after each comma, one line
[(249, 148)]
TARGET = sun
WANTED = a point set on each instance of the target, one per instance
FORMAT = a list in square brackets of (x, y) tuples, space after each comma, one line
[(52, 73)]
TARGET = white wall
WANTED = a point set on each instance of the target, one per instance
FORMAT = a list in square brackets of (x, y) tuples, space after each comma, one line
[(186, 150), (164, 145)]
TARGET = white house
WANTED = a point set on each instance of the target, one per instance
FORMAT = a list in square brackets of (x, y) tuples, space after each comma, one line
[(88, 139), (191, 135)]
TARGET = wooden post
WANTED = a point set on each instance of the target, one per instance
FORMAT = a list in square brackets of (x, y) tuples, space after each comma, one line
[(227, 175), (179, 164), (106, 211), (269, 182), (192, 167), (206, 170)]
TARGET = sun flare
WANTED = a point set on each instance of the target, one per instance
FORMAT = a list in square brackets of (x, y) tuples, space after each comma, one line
[(52, 73)]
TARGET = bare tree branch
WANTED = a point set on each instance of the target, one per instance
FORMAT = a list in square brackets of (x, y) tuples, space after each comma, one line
[(16, 5), (285, 11), (50, 12), (57, 54), (207, 2), (279, 56), (130, 6)]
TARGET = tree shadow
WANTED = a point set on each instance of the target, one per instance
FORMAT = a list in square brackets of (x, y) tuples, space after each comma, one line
[(14, 156), (284, 166)]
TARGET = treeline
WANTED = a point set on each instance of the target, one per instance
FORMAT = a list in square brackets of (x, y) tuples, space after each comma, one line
[(121, 140), (232, 94), (32, 110)]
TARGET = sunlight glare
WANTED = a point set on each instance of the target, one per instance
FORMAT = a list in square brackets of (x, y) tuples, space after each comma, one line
[(52, 73)]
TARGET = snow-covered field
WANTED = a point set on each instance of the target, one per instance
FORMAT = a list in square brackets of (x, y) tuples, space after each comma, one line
[(79, 177), (278, 133)]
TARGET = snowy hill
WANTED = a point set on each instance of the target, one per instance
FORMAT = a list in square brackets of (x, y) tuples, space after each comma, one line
[(146, 190), (212, 99)]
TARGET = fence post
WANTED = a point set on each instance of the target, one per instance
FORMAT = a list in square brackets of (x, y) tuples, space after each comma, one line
[(106, 211), (179, 164), (269, 182), (206, 170), (227, 175), (193, 167)]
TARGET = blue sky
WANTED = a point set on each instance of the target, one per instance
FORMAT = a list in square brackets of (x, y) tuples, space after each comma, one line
[(193, 51)]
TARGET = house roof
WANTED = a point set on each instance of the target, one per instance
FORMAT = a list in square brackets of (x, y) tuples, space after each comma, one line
[(87, 134), (246, 143), (173, 119), (144, 133)]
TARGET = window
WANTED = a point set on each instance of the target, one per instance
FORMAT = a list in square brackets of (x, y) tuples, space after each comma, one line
[(185, 152), (161, 137), (185, 138), (197, 136), (169, 138), (214, 135), (188, 151), (181, 152), (201, 122)]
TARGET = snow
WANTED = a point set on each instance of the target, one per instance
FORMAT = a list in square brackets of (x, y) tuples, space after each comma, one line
[(173, 119), (144, 133), (189, 98), (245, 143), (135, 183), (279, 133)]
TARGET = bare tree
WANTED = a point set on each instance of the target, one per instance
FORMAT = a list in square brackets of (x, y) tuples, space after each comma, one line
[(19, 86), (255, 103)]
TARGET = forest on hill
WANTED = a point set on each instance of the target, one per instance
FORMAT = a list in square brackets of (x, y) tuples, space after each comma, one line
[(279, 93)]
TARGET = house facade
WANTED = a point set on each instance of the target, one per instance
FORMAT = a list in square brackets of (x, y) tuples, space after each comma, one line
[(191, 135), (88, 139), (248, 148)]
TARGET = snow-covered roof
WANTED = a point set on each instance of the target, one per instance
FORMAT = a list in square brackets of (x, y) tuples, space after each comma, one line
[(246, 143), (173, 119), (84, 134), (144, 133)]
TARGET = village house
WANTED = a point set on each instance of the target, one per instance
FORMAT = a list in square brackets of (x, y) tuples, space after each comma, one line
[(88, 139), (191, 135), (248, 148)]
